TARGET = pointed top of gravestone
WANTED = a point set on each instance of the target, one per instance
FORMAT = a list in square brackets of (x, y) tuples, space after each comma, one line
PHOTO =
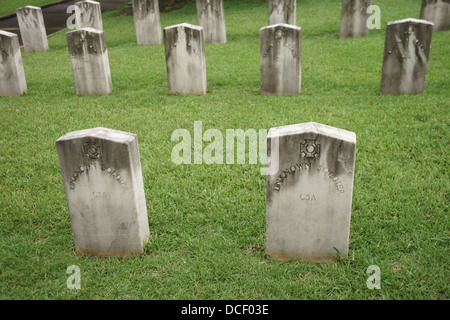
[(315, 128), (8, 34), (91, 30), (284, 25), (410, 20), (100, 133), (30, 7), (89, 1), (186, 25)]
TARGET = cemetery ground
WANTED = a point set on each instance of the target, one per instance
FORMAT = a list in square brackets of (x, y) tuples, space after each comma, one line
[(207, 222)]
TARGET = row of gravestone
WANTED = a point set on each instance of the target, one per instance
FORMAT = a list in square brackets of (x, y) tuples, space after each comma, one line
[(309, 187), (308, 194), (405, 59)]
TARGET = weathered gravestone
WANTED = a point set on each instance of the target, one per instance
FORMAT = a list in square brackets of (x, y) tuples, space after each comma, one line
[(102, 177), (185, 59), (147, 22), (309, 199), (406, 53), (32, 29), (438, 12), (354, 18), (282, 11), (89, 15), (280, 60), (211, 17), (12, 74), (89, 60)]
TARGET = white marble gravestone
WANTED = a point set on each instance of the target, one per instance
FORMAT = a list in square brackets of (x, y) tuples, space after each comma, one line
[(438, 12), (102, 177), (280, 60), (211, 17), (32, 29), (89, 15), (12, 74), (282, 11), (185, 59), (354, 18), (89, 60), (309, 199), (406, 52), (147, 22)]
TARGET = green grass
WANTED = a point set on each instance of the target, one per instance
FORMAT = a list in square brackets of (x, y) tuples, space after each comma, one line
[(207, 222), (10, 6)]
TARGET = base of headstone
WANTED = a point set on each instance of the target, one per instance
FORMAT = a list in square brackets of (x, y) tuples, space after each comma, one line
[(438, 12), (102, 177), (32, 29), (211, 17), (282, 11), (90, 15), (309, 197), (185, 59), (354, 18), (147, 22), (12, 74), (280, 60), (406, 53), (90, 62)]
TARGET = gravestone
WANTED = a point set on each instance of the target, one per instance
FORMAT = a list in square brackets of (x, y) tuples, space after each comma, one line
[(406, 52), (185, 59), (354, 18), (438, 12), (147, 22), (282, 11), (211, 17), (32, 29), (309, 199), (89, 15), (280, 60), (89, 60), (102, 177), (12, 74)]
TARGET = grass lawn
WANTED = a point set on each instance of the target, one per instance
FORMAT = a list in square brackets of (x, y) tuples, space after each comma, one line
[(207, 222), (10, 6)]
